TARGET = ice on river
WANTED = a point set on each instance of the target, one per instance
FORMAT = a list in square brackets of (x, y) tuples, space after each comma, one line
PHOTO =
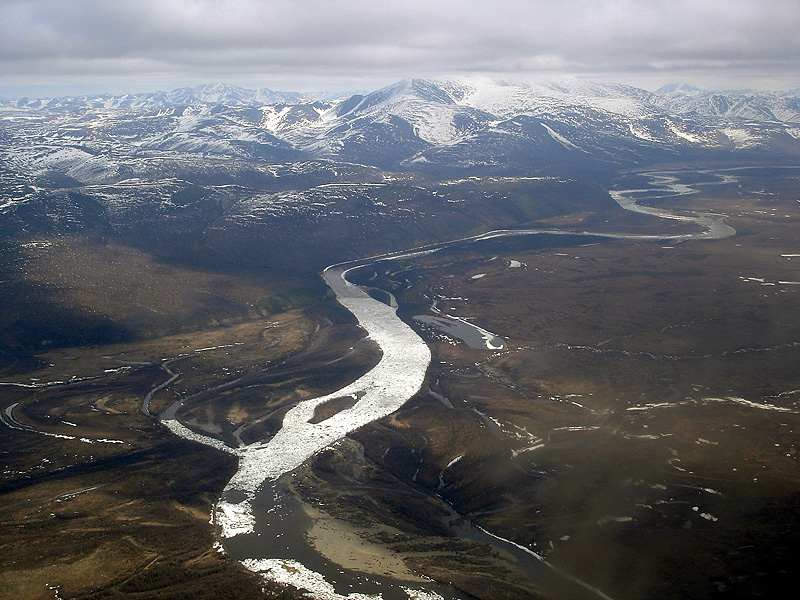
[(291, 572), (381, 391)]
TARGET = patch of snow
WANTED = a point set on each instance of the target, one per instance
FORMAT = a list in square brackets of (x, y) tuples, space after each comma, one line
[(741, 138), (750, 404), (561, 139), (421, 594), (682, 134), (640, 133), (454, 461), (297, 575)]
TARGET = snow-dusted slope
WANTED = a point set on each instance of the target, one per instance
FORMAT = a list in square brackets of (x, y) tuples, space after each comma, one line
[(477, 121), (563, 123), (710, 106)]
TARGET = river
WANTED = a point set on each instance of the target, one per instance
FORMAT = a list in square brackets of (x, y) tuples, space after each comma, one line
[(242, 514)]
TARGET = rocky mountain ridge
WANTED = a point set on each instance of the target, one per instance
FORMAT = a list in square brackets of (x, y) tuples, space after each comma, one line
[(464, 123)]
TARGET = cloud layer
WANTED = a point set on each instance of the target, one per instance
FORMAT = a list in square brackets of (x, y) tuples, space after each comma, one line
[(356, 43)]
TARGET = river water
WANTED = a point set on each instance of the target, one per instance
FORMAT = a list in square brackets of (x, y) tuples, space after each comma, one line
[(257, 521)]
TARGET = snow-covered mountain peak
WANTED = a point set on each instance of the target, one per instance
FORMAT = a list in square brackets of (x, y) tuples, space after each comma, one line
[(504, 98), (213, 93), (672, 88)]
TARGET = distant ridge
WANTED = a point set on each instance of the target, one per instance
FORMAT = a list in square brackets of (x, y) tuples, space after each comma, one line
[(671, 88), (207, 93), (465, 123)]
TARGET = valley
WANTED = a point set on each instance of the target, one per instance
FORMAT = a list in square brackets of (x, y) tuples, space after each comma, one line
[(583, 434), (578, 397)]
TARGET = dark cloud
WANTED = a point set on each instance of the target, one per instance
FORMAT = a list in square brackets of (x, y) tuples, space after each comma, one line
[(356, 43)]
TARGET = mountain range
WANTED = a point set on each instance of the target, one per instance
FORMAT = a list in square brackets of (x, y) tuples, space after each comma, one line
[(481, 125)]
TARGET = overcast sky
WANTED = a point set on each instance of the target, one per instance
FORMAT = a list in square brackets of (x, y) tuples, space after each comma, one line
[(56, 47)]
